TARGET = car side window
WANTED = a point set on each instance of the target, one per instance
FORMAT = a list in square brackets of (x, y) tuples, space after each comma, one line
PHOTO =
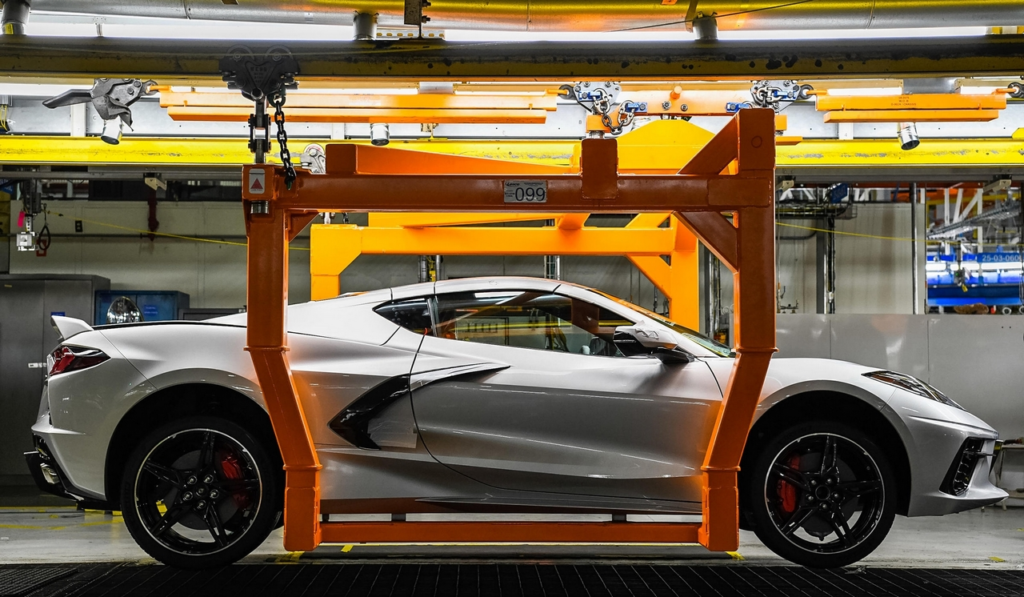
[(528, 319), (411, 314)]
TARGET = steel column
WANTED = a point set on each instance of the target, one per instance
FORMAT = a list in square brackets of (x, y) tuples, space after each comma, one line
[(913, 247)]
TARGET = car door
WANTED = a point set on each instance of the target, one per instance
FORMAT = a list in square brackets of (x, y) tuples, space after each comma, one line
[(566, 413)]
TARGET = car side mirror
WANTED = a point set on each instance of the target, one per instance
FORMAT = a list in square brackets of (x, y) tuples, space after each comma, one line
[(642, 340)]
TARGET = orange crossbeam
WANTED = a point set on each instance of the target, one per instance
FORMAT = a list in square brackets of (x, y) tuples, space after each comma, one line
[(508, 532), (920, 101), (912, 116), (335, 246), (697, 196), (347, 115), (424, 101)]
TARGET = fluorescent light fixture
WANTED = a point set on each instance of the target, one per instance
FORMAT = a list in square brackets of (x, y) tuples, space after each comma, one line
[(84, 25), (43, 24), (1002, 266), (354, 91), (37, 89), (503, 92), (188, 89), (309, 90), (965, 90), (654, 34)]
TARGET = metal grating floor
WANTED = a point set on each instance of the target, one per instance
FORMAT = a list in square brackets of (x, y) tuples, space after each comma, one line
[(16, 581), (514, 580)]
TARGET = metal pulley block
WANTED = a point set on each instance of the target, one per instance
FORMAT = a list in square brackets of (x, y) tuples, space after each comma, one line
[(601, 96), (262, 79), (768, 94), (259, 77)]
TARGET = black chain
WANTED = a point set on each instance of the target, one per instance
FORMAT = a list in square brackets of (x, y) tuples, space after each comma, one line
[(282, 139), (622, 120)]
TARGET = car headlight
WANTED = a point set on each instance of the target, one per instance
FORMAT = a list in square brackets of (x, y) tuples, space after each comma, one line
[(912, 385)]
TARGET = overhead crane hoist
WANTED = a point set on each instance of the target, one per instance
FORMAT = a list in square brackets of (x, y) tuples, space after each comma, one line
[(732, 174)]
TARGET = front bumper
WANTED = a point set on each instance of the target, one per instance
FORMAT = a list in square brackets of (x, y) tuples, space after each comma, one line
[(957, 475)]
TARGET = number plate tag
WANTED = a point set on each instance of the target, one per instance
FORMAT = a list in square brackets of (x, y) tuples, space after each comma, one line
[(526, 191)]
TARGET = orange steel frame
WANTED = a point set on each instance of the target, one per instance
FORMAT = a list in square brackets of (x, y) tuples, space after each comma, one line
[(733, 173)]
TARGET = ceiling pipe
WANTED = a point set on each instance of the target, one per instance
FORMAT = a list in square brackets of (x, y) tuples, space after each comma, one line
[(15, 16), (365, 26), (996, 55), (706, 28), (558, 15)]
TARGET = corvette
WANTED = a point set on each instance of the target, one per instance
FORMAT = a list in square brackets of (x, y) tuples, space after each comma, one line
[(501, 395)]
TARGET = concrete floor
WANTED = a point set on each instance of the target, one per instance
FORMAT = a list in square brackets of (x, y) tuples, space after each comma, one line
[(55, 532)]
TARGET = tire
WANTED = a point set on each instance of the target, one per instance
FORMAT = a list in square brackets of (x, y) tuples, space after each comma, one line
[(200, 492), (822, 494)]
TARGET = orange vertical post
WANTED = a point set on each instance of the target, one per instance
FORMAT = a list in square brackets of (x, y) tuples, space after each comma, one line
[(748, 248), (266, 341)]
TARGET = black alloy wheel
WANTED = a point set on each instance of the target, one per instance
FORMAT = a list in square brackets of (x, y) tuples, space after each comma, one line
[(823, 495), (199, 493)]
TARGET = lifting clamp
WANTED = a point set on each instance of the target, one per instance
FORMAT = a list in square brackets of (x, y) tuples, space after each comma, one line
[(111, 98)]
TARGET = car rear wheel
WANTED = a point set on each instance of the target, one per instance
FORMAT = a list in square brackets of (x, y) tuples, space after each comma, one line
[(823, 495), (199, 493)]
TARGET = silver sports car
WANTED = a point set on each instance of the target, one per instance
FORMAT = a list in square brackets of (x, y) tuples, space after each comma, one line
[(501, 395)]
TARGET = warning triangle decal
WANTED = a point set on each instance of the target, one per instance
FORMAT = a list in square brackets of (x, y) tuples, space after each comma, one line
[(256, 186)]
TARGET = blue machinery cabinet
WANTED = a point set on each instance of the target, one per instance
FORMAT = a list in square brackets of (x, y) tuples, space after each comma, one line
[(990, 278), (155, 305)]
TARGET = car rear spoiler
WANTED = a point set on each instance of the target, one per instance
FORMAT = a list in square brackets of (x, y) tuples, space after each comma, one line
[(68, 326)]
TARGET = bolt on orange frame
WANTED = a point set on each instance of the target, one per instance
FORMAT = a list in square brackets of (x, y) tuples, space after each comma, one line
[(734, 173)]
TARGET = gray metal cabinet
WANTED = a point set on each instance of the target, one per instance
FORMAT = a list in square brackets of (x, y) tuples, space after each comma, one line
[(26, 337)]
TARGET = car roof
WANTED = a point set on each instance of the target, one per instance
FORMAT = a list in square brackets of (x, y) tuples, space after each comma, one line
[(484, 282)]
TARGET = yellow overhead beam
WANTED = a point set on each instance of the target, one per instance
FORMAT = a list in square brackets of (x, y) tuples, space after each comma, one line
[(180, 151), (639, 151)]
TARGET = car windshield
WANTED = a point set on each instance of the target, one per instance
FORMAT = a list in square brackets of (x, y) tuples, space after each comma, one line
[(695, 337)]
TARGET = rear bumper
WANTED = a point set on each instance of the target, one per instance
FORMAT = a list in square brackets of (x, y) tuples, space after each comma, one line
[(49, 477), (45, 471)]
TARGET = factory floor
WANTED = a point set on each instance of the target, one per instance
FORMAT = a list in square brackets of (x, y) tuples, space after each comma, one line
[(47, 536)]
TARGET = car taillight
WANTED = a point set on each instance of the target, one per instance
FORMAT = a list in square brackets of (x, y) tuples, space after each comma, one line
[(73, 358)]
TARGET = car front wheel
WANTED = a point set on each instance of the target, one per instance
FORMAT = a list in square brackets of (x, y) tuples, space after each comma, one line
[(198, 493), (823, 494)]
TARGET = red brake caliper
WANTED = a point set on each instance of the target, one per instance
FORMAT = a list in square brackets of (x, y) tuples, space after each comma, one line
[(787, 491), (232, 471)]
